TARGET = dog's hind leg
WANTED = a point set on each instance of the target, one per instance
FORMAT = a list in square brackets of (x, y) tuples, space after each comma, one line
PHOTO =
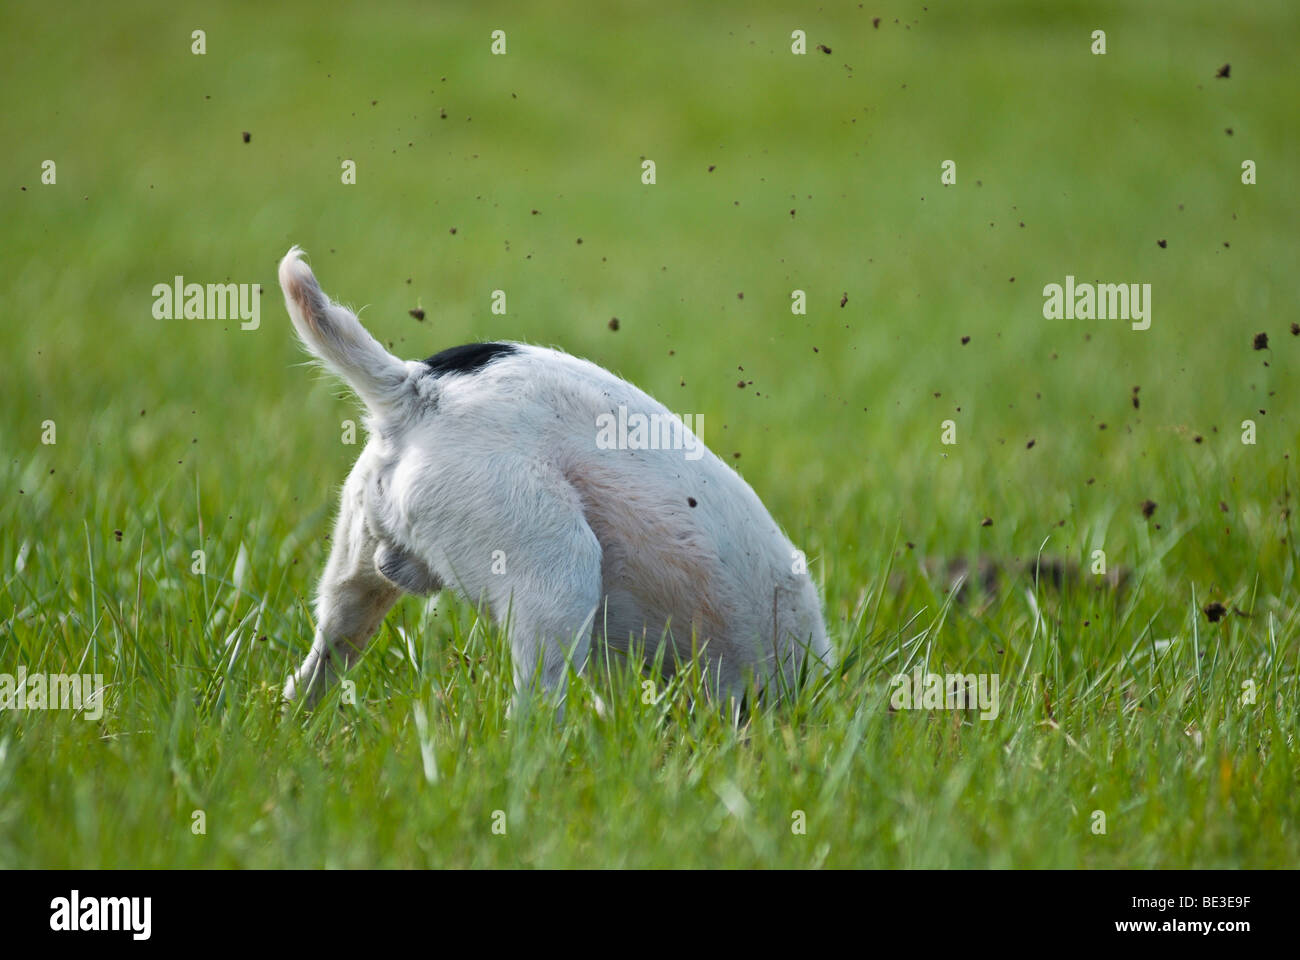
[(550, 630), (526, 547), (552, 607), (351, 601)]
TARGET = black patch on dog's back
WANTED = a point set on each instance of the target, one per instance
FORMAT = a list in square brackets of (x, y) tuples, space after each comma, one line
[(468, 358)]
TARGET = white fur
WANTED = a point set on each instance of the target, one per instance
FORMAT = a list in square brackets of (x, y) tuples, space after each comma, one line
[(598, 544)]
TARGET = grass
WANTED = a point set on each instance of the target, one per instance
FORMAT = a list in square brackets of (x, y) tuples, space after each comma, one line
[(182, 435)]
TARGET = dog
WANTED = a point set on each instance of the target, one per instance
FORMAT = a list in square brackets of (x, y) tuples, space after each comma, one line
[(484, 473)]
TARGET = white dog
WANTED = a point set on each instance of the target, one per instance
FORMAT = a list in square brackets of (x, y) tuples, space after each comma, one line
[(485, 473)]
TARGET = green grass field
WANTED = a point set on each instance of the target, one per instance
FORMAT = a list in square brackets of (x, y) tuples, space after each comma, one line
[(774, 173)]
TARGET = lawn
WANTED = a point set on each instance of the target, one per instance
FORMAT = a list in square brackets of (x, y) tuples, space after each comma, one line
[(1146, 724)]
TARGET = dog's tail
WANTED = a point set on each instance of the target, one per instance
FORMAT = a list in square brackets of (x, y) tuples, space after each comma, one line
[(333, 334)]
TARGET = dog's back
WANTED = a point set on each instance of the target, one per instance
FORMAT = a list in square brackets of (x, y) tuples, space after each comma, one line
[(686, 544)]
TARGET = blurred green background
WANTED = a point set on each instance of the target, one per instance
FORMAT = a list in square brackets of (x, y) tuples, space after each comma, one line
[(775, 172)]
